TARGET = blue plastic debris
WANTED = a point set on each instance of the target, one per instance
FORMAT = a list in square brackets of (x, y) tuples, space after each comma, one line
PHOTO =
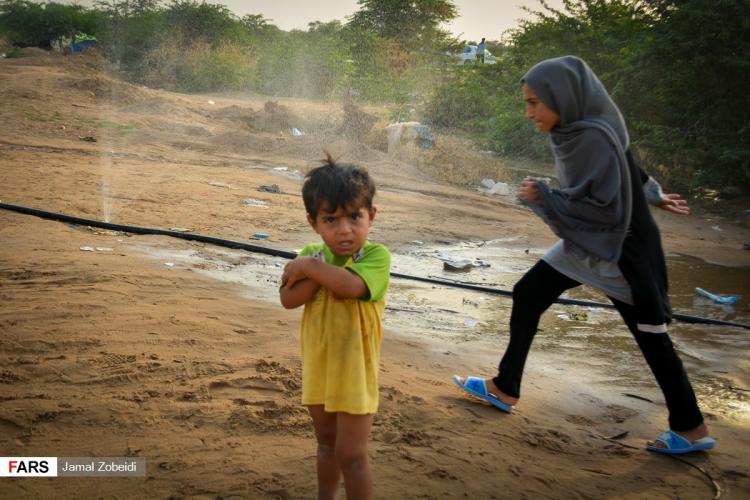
[(716, 298), (260, 236)]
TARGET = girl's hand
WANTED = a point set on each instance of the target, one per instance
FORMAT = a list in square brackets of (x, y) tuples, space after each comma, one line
[(294, 271), (674, 203), (529, 190)]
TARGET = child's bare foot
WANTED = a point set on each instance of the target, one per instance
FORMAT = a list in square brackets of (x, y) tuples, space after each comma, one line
[(692, 435)]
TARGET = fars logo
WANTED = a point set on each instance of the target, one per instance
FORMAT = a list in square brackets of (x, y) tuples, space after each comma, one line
[(28, 466)]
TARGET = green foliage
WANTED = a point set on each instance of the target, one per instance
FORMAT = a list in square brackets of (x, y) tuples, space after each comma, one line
[(676, 68), (414, 22), (314, 63), (696, 62), (32, 24)]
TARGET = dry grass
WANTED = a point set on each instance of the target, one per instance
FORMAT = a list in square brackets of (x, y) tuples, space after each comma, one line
[(457, 162)]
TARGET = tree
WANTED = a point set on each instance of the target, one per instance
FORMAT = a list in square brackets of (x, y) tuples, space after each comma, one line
[(693, 75), (34, 24), (409, 21)]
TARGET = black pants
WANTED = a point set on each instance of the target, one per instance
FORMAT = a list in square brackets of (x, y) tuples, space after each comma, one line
[(537, 290)]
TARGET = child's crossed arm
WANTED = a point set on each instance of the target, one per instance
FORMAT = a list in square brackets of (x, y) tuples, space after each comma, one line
[(304, 275)]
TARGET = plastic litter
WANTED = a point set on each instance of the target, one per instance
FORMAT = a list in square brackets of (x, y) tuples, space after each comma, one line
[(211, 101), (273, 188), (251, 202), (574, 316), (87, 249), (500, 188), (471, 323), (259, 236), (487, 183), (297, 132), (458, 267), (720, 299), (460, 264), (489, 186), (179, 229), (409, 133)]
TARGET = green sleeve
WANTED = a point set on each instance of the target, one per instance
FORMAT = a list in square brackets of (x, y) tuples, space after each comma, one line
[(374, 267), (310, 249)]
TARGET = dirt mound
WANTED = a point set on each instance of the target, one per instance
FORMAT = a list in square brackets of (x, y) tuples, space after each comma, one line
[(34, 56), (273, 118), (356, 123), (233, 112), (157, 105), (106, 88)]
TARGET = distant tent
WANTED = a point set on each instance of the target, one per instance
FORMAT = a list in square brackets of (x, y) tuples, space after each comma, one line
[(82, 42)]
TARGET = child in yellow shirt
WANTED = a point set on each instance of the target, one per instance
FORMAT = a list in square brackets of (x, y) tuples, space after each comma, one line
[(342, 283)]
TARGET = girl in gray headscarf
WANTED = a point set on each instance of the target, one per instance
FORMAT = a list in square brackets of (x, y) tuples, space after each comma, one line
[(609, 240)]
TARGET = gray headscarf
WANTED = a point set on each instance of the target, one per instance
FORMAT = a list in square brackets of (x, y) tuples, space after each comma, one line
[(592, 208)]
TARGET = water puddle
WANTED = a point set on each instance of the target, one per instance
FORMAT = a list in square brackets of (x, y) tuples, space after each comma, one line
[(597, 342)]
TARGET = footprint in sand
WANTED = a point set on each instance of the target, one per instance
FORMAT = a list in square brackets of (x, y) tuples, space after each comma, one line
[(244, 388)]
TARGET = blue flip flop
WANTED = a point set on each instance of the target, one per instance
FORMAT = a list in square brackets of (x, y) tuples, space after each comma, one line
[(677, 445), (477, 387)]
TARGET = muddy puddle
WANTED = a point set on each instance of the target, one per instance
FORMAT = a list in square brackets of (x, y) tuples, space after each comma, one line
[(593, 339)]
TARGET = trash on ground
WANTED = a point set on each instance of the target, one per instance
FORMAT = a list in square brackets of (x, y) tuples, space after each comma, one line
[(471, 323), (259, 236), (87, 249), (104, 249), (459, 264), (409, 133), (297, 132), (273, 188), (220, 185), (418, 242), (487, 183), (460, 267), (108, 232), (88, 138), (288, 171), (211, 101), (717, 228), (489, 186), (169, 264), (720, 299), (179, 229), (252, 202), (574, 316)]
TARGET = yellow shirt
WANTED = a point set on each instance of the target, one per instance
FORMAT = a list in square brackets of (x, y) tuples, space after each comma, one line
[(341, 338)]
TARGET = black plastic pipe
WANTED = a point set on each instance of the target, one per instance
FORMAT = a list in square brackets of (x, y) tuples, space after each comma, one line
[(290, 255)]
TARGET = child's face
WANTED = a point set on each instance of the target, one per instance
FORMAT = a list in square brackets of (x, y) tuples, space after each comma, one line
[(543, 117), (345, 230)]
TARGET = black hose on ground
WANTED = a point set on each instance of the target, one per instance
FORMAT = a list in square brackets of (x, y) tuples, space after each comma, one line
[(290, 255)]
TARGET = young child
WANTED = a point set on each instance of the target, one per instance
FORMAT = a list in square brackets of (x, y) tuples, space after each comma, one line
[(342, 282)]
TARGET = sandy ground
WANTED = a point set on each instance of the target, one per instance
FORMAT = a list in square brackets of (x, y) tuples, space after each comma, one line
[(112, 353)]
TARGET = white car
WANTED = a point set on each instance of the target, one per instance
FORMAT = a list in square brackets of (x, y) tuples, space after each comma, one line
[(469, 56)]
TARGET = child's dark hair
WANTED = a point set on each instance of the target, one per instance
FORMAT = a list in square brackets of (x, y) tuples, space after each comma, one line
[(337, 185)]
